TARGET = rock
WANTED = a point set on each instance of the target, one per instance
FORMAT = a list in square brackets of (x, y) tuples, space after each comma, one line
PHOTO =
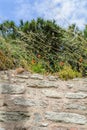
[(52, 93), (44, 124), (37, 76), (69, 85), (13, 116), (22, 76), (83, 89), (23, 101), (42, 84), (59, 128), (52, 78), (76, 79), (39, 102), (1, 102), (75, 106), (74, 128), (78, 95), (2, 129), (66, 117), (11, 89), (27, 102), (37, 128), (37, 117), (20, 128)]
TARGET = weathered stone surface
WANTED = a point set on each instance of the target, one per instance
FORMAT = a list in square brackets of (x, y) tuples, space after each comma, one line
[(76, 106), (22, 76), (52, 78), (13, 116), (11, 89), (37, 117), (2, 129), (78, 95), (70, 85), (66, 128), (38, 128), (20, 128), (66, 117), (76, 79), (52, 93), (29, 102), (1, 102), (59, 128), (42, 84), (44, 124), (83, 89), (24, 101), (37, 76)]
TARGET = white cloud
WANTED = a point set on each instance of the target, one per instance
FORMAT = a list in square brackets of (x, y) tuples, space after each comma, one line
[(63, 11)]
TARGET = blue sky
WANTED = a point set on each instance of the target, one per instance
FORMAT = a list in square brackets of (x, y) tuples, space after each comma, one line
[(65, 12)]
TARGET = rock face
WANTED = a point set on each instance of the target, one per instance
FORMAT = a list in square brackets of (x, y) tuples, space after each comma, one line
[(66, 117), (79, 95), (11, 89), (37, 102), (52, 93), (13, 116)]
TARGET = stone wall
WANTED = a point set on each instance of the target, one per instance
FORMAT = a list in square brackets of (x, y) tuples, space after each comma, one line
[(37, 102)]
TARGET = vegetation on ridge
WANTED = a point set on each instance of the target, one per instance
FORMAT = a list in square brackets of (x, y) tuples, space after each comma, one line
[(43, 46)]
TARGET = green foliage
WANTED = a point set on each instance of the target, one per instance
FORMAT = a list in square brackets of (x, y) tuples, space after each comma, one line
[(38, 68), (68, 73), (5, 62), (55, 45), (84, 69)]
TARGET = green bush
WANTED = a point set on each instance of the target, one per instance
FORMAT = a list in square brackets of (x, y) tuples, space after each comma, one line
[(5, 61), (68, 73), (85, 69), (52, 47), (38, 68)]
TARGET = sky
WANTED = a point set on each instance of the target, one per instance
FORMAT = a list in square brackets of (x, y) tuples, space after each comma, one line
[(65, 12)]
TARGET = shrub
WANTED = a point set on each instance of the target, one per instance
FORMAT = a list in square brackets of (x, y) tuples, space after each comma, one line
[(5, 62), (68, 73), (85, 69), (38, 68)]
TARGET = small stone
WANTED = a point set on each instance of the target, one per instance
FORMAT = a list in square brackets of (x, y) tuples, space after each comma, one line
[(42, 84), (11, 89), (70, 85), (36, 76), (73, 128), (75, 106), (52, 78), (59, 128), (2, 129), (13, 116), (20, 128), (38, 128), (29, 102), (78, 95), (22, 76), (83, 89), (52, 93), (37, 117), (44, 124), (23, 101), (66, 117), (76, 79), (1, 102)]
